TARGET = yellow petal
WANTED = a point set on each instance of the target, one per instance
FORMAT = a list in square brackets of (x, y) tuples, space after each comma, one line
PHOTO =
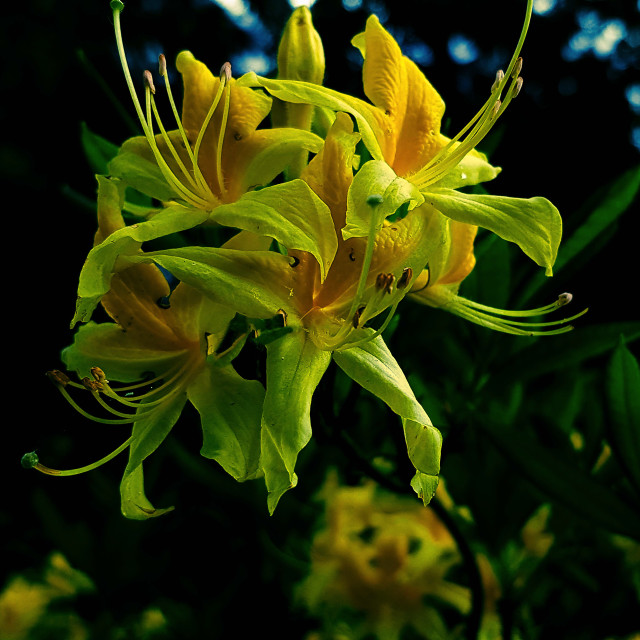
[(461, 258), (247, 110), (396, 85)]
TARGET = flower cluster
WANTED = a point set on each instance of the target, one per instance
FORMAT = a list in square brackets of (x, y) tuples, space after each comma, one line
[(311, 232)]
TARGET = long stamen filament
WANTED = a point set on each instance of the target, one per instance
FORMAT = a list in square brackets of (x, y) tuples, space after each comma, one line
[(223, 128), (482, 122), (196, 169), (162, 164), (89, 467), (205, 124)]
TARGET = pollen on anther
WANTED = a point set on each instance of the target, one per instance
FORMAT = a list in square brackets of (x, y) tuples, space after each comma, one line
[(498, 80), (517, 69), (225, 71), (405, 278), (148, 80), (57, 377), (565, 298), (162, 65)]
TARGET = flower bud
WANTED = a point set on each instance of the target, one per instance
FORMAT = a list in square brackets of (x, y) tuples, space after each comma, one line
[(301, 58), (300, 54)]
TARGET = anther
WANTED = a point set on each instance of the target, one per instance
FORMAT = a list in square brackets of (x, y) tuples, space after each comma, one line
[(58, 378), (405, 278), (517, 87), (225, 71), (498, 80), (99, 375), (495, 110), (148, 80), (162, 65), (384, 282), (91, 385), (517, 68), (356, 317), (564, 298)]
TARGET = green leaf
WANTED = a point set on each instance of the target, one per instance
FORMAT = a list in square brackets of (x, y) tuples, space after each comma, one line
[(562, 481), (623, 393), (554, 353), (376, 185), (374, 368), (230, 409), (143, 175), (291, 213), (295, 366), (99, 151), (588, 237), (149, 433), (534, 224)]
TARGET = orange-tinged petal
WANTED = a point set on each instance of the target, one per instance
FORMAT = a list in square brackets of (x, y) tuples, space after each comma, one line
[(330, 173), (247, 110), (396, 85), (461, 258)]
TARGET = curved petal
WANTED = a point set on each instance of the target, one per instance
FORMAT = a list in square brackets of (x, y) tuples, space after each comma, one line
[(395, 84), (230, 409)]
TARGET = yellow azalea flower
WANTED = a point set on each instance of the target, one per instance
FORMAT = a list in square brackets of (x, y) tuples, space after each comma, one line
[(384, 557), (162, 348), (216, 152), (400, 127), (325, 292)]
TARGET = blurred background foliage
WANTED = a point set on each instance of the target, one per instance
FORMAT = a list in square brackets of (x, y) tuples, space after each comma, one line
[(542, 444)]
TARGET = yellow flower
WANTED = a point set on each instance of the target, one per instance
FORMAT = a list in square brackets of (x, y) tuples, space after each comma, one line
[(216, 152)]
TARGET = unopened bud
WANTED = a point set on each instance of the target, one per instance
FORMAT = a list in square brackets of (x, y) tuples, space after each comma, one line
[(148, 80), (300, 54)]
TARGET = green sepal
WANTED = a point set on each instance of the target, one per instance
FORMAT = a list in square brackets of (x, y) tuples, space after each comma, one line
[(623, 392), (533, 224), (143, 175), (291, 213), (230, 409), (376, 186), (149, 432), (294, 369), (374, 368)]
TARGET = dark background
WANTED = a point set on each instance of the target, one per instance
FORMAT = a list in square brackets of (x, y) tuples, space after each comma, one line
[(568, 134)]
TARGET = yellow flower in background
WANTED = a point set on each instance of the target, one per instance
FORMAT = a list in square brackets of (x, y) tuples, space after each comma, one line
[(385, 557), (24, 604)]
